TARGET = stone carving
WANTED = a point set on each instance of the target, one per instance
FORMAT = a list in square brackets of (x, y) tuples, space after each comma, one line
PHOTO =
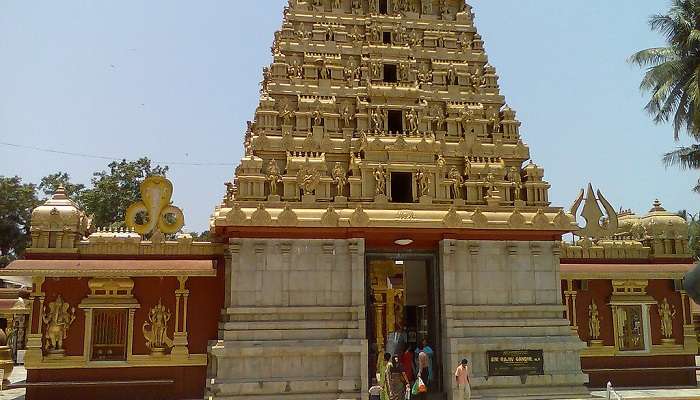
[(439, 118), (451, 75), (287, 217), (264, 84), (356, 6), (317, 117), (58, 318), (380, 180), (427, 7), (412, 120), (351, 72), (340, 178), (308, 179), (593, 321), (495, 124), (330, 217), (666, 313), (592, 213), (260, 216), (377, 120), (286, 114), (467, 117), (457, 183), (423, 182), (273, 176), (155, 329), (347, 116), (156, 192)]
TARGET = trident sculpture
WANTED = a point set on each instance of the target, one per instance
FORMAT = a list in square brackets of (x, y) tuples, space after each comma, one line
[(595, 227)]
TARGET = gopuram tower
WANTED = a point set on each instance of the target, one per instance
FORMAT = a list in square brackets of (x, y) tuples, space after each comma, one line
[(386, 198)]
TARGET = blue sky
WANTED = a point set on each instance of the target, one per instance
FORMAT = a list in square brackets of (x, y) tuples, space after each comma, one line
[(176, 81)]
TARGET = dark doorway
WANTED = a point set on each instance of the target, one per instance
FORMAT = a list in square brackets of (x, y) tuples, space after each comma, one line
[(390, 74), (384, 7), (386, 37), (395, 121), (401, 187)]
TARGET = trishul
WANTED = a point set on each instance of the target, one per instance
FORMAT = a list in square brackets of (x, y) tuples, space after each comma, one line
[(593, 215), (156, 192)]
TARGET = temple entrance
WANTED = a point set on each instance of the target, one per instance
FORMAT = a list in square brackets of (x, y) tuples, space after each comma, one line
[(403, 299)]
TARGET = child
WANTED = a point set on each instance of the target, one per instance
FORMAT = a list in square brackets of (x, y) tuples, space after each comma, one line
[(375, 391)]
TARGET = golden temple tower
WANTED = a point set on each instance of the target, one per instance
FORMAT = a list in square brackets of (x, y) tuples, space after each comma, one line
[(381, 128)]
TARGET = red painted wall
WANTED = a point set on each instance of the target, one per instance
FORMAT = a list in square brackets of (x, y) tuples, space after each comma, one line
[(73, 291), (625, 374)]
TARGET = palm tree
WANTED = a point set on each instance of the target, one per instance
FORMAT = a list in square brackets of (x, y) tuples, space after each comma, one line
[(673, 78)]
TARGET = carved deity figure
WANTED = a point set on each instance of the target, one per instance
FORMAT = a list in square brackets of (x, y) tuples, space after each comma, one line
[(444, 9), (378, 120), (374, 6), (273, 176), (324, 71), (467, 167), (466, 119), (666, 313), (376, 70), (412, 120), (155, 330), (423, 181), (465, 41), (457, 182), (337, 4), (380, 180), (264, 84), (340, 178), (593, 321), (441, 163), (495, 123), (491, 185), (317, 116), (451, 75), (58, 318), (439, 118), (286, 114), (347, 116), (308, 179), (350, 71), (404, 71), (356, 6), (475, 81), (514, 176)]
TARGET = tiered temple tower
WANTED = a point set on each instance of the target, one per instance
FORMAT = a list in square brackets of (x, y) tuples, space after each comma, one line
[(381, 128)]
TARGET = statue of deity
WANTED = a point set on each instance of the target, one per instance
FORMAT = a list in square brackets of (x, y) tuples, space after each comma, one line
[(58, 318), (264, 84), (495, 124), (412, 120), (457, 182), (308, 179), (467, 167), (356, 6), (427, 7), (273, 176), (340, 178), (380, 180), (593, 321), (423, 181), (467, 117), (317, 116), (378, 120), (451, 75), (441, 163), (666, 313), (286, 114), (155, 330), (347, 115)]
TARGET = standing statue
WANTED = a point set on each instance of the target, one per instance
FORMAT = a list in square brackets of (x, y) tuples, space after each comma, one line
[(347, 115), (264, 84), (491, 182), (467, 117), (58, 318), (412, 120), (451, 75), (441, 163), (356, 6), (380, 180), (155, 330), (457, 183), (378, 120), (427, 7), (337, 4), (593, 321), (423, 181), (340, 178), (495, 124), (317, 116), (439, 117), (467, 168), (666, 314), (273, 176), (286, 114)]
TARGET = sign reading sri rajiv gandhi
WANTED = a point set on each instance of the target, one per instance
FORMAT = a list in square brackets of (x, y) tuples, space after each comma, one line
[(515, 362)]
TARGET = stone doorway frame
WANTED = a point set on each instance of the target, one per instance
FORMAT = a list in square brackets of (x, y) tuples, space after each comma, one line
[(436, 323)]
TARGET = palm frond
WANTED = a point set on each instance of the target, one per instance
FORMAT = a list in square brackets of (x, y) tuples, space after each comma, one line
[(684, 157)]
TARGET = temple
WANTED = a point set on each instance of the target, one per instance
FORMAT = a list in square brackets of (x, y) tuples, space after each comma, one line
[(386, 199)]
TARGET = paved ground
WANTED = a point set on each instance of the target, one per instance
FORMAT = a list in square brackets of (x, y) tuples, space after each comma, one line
[(19, 374)]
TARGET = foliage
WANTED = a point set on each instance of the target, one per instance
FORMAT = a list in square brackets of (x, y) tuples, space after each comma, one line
[(113, 191), (201, 237), (17, 200), (49, 184), (673, 78)]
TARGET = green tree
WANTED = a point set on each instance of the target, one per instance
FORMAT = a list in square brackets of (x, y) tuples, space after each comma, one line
[(50, 183), (673, 78), (17, 200), (113, 191), (201, 237)]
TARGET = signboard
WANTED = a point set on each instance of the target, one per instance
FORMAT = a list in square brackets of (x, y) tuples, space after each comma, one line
[(515, 362)]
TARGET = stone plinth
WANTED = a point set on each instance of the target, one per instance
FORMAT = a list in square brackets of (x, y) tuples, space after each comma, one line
[(506, 296), (294, 323)]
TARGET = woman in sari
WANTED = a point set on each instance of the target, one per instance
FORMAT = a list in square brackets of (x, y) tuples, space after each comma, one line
[(383, 378), (396, 382)]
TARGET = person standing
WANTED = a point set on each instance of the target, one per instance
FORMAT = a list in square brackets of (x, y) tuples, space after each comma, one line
[(463, 380), (429, 354), (407, 363), (396, 379)]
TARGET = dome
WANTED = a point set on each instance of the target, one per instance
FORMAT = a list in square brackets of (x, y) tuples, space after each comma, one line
[(59, 214), (626, 221), (661, 223)]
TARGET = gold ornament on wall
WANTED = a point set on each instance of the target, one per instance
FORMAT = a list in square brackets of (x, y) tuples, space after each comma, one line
[(666, 313), (155, 330), (159, 214), (58, 318), (593, 321)]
